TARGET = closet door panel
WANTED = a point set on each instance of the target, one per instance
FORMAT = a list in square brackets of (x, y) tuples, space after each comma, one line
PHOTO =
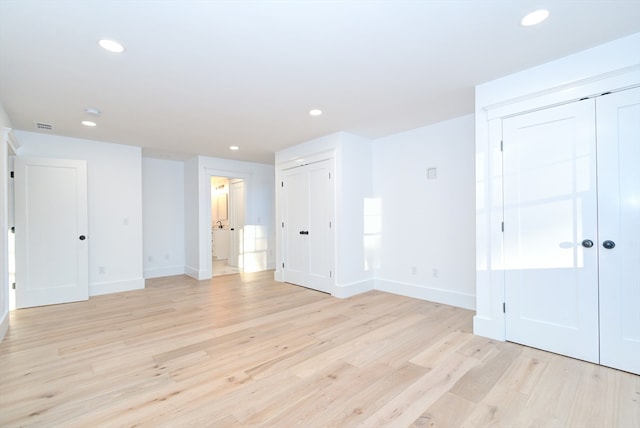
[(296, 263), (308, 215), (550, 208), (320, 215), (618, 125)]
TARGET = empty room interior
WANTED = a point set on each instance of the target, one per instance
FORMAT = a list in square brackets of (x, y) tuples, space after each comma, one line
[(320, 213)]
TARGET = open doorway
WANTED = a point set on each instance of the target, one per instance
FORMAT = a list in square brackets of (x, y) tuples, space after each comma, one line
[(227, 225)]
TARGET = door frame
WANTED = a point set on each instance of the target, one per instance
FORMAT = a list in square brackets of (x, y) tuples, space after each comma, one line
[(205, 250), (498, 100), (281, 170)]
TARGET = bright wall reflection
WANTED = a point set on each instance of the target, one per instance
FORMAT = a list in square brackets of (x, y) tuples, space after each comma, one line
[(254, 248)]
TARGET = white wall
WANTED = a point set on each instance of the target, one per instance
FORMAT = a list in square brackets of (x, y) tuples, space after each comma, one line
[(354, 184), (163, 217), (607, 67), (5, 125), (259, 212), (114, 206), (427, 247)]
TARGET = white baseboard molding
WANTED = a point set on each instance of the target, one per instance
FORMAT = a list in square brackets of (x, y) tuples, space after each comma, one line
[(164, 271), (196, 273), (438, 295), (488, 327), (277, 276), (348, 290), (4, 325), (100, 288)]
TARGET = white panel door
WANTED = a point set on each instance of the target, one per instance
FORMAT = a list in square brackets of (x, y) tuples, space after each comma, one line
[(296, 218), (236, 223), (618, 130), (320, 237), (51, 231), (550, 209), (308, 215)]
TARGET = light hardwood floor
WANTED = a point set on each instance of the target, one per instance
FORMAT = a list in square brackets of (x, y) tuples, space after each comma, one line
[(243, 350)]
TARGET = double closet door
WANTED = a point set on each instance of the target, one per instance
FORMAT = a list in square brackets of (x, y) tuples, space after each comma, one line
[(308, 206), (571, 177)]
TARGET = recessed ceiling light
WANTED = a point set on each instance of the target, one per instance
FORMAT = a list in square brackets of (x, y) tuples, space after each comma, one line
[(234, 148), (111, 45), (534, 17), (88, 123), (315, 112)]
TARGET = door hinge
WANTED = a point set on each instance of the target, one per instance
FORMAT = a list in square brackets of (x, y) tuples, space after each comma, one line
[(282, 184), (283, 224), (504, 308), (13, 285), (502, 227), (330, 274), (282, 265), (501, 146), (329, 225), (11, 175), (13, 229), (329, 176)]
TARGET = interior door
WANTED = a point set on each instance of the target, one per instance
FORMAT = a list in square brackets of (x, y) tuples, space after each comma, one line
[(618, 131), (308, 215), (296, 190), (550, 230), (236, 223), (51, 231)]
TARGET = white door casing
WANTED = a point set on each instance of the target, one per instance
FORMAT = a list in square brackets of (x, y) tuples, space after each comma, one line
[(618, 134), (51, 231), (550, 208), (236, 223)]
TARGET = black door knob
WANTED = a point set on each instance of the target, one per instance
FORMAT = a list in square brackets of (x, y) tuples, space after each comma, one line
[(82, 237), (587, 243), (608, 244)]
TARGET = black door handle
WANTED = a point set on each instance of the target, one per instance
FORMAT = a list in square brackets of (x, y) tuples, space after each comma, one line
[(232, 228), (608, 244), (82, 237), (587, 243), (304, 232)]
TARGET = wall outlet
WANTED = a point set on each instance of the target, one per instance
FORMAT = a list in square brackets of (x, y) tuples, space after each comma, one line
[(432, 174), (414, 270), (436, 273)]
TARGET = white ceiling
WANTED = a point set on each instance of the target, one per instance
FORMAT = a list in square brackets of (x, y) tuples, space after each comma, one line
[(199, 76)]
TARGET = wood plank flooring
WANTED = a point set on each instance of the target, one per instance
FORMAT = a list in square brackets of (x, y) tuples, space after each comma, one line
[(243, 350)]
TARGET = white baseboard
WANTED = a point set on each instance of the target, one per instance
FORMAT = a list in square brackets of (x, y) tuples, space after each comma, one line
[(488, 327), (348, 290), (438, 295), (196, 273), (277, 276), (4, 325), (164, 271), (99, 288)]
